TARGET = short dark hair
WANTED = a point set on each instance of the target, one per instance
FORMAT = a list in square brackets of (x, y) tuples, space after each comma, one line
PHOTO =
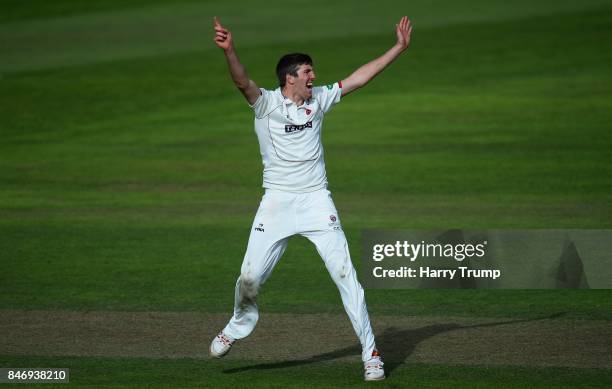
[(289, 64)]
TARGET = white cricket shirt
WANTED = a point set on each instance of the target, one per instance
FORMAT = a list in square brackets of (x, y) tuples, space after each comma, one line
[(290, 138)]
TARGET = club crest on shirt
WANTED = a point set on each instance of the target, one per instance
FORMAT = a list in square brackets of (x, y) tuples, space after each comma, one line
[(308, 111)]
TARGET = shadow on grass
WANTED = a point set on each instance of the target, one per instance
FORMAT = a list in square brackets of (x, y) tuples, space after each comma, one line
[(396, 345)]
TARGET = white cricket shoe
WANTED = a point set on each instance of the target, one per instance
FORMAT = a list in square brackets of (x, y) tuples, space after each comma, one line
[(374, 370), (221, 345)]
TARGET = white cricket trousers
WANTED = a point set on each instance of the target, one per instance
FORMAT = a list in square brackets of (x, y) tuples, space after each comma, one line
[(313, 215)]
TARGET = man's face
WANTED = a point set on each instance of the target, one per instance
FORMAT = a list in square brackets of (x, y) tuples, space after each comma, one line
[(304, 80)]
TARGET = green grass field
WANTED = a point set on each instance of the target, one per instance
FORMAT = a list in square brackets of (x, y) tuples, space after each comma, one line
[(130, 171)]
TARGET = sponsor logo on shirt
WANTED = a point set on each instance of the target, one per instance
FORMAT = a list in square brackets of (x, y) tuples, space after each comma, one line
[(289, 128)]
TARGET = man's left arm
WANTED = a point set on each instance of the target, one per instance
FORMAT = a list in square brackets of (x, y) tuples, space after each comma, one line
[(364, 74)]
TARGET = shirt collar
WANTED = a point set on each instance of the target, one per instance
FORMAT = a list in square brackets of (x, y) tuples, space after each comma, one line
[(288, 101)]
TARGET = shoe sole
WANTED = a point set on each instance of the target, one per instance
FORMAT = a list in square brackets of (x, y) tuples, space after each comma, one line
[(375, 379), (215, 355)]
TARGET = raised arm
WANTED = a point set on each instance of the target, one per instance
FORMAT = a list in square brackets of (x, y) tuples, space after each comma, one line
[(223, 39), (364, 74)]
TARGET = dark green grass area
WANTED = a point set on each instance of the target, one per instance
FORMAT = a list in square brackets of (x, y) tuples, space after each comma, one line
[(107, 372), (17, 10), (131, 183), (120, 266)]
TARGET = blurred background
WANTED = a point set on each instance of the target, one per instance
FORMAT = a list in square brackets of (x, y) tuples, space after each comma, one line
[(130, 171)]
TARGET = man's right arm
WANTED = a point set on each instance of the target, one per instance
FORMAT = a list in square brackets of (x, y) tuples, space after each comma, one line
[(223, 39)]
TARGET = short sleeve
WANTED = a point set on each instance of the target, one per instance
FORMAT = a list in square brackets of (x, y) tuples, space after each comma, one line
[(328, 95), (261, 106)]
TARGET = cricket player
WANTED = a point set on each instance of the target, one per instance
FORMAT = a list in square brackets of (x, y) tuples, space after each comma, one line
[(288, 124)]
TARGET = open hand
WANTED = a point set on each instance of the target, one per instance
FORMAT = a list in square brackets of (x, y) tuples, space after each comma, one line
[(403, 30), (223, 38)]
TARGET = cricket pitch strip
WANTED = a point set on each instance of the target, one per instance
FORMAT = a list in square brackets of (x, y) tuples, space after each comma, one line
[(308, 338)]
